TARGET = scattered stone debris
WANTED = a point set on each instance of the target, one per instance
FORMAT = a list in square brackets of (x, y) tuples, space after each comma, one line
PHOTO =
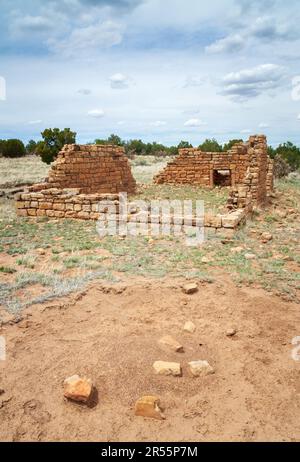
[(199, 368), (189, 327), (41, 251), (230, 332), (250, 256), (190, 288), (167, 368), (205, 260), (266, 237), (149, 406), (171, 343), (237, 249), (78, 389)]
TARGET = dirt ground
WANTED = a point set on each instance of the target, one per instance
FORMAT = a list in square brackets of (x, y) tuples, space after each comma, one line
[(110, 333)]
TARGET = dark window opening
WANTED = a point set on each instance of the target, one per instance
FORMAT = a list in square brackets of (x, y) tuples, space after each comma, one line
[(222, 177)]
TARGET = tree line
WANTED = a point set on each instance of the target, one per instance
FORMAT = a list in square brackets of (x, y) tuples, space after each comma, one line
[(53, 139)]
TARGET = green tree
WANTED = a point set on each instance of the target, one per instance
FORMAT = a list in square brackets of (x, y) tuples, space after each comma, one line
[(271, 152), (210, 145), (115, 139), (13, 148), (230, 143), (53, 141), (291, 153), (184, 145), (31, 147), (135, 146), (173, 150)]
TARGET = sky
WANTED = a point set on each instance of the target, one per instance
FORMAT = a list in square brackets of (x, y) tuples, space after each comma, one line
[(163, 70)]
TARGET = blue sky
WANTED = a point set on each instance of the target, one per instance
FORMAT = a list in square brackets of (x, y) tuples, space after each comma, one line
[(161, 70)]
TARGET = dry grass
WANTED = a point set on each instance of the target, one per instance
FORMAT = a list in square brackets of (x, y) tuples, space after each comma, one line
[(14, 172), (74, 252)]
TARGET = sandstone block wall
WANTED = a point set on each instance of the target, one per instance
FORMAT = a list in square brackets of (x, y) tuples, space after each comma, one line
[(250, 168), (92, 169), (258, 181), (193, 166)]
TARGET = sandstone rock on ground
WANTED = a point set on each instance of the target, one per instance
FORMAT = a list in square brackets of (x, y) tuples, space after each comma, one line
[(200, 368), (190, 288), (167, 368), (250, 256), (230, 332), (77, 388), (266, 237), (169, 342), (149, 406), (189, 327)]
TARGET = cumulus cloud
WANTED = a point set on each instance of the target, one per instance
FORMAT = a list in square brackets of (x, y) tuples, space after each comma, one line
[(86, 40), (267, 28), (96, 113), (249, 83), (119, 81), (263, 29), (32, 23), (228, 44), (194, 123), (126, 4)]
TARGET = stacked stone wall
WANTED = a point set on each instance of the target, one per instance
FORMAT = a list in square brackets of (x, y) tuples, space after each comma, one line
[(92, 169)]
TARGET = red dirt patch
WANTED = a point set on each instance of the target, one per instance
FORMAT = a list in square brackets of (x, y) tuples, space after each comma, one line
[(111, 335)]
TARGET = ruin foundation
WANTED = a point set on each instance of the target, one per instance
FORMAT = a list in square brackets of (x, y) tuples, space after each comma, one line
[(84, 179)]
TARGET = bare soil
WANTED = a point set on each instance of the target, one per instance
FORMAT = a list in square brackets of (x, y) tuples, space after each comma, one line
[(110, 334)]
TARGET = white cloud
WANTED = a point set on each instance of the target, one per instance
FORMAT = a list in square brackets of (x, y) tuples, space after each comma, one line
[(263, 125), (159, 123), (298, 118), (35, 122), (96, 113), (268, 28), (30, 23), (228, 44), (88, 40), (246, 131), (249, 83), (194, 123), (119, 81)]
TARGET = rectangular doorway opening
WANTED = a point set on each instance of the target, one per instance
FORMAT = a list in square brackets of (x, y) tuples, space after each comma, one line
[(222, 177)]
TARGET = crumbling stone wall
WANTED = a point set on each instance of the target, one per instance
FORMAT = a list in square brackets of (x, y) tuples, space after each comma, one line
[(92, 169), (258, 182), (193, 166), (251, 170)]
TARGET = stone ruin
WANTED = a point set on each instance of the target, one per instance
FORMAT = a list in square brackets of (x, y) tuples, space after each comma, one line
[(244, 164), (83, 177), (79, 178)]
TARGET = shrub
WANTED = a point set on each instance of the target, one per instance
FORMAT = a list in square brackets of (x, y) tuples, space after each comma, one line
[(281, 167), (13, 148)]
